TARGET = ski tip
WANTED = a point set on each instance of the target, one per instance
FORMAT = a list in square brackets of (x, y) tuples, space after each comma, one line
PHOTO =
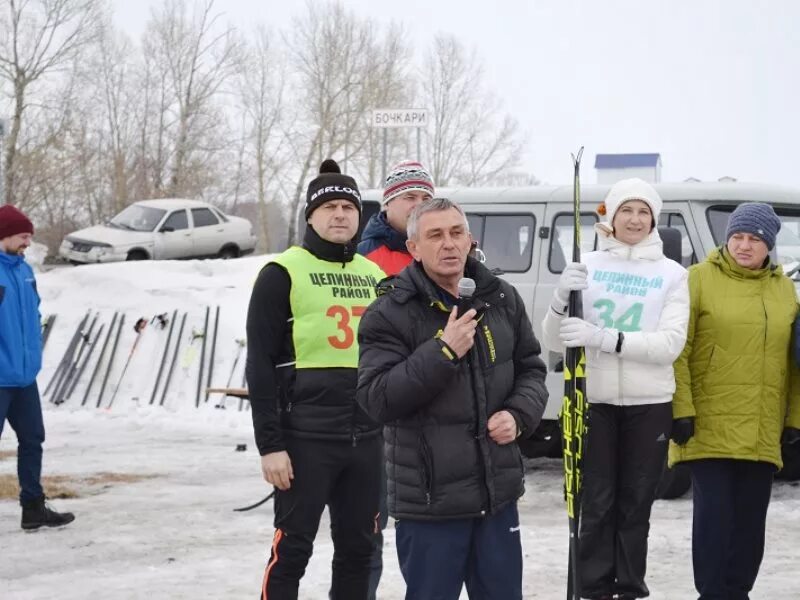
[(576, 158)]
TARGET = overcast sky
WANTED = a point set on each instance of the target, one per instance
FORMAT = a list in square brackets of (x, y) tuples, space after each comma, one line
[(713, 85)]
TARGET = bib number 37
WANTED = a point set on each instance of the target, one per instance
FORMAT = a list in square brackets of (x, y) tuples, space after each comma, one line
[(346, 336)]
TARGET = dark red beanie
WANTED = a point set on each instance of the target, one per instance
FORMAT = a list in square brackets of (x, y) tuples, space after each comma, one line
[(13, 221)]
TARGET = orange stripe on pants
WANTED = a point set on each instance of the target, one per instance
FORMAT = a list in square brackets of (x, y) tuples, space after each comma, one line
[(275, 541)]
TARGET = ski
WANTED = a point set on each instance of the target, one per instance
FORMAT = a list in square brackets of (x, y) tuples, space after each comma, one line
[(96, 369), (62, 388), (574, 407), (173, 361), (213, 352), (164, 356), (111, 358), (84, 362), (47, 327), (58, 374), (202, 359)]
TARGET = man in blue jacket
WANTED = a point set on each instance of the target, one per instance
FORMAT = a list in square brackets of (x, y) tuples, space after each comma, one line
[(20, 361)]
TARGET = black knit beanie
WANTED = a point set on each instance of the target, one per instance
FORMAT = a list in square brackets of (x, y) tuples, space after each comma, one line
[(331, 184)]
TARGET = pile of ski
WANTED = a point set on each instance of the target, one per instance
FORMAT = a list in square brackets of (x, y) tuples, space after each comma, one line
[(574, 408)]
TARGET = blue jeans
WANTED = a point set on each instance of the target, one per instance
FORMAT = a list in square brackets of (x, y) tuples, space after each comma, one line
[(438, 557), (23, 409)]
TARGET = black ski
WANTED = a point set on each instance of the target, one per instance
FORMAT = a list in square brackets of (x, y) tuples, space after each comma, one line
[(574, 408), (60, 393), (84, 362), (96, 369), (164, 356), (47, 327), (202, 359), (173, 361), (58, 374), (111, 358), (213, 352)]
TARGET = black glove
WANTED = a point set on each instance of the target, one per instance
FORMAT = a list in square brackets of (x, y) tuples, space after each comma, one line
[(682, 430), (790, 435)]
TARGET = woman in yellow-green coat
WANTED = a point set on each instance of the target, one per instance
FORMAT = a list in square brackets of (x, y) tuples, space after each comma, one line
[(736, 396)]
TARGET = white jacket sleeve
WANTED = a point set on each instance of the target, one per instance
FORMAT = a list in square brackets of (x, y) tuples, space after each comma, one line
[(664, 345), (551, 327)]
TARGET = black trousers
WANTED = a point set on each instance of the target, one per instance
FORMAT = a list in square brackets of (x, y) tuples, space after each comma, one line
[(730, 513), (625, 452), (347, 479)]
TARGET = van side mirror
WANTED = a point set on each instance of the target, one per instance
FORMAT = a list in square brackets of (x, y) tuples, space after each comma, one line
[(166, 229)]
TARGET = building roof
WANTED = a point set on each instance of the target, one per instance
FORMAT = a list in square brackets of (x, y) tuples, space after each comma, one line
[(622, 161)]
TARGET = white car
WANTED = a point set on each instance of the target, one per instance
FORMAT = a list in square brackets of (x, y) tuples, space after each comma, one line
[(162, 229)]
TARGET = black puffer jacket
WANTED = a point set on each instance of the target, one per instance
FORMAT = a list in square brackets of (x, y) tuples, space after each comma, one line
[(441, 463)]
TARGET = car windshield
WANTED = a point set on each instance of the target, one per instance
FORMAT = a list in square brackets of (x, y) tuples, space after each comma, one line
[(138, 218)]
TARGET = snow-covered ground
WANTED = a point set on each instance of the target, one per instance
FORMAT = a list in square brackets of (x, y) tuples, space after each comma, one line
[(175, 535)]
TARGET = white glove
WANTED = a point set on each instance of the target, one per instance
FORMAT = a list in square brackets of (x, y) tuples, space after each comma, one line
[(574, 277), (577, 332)]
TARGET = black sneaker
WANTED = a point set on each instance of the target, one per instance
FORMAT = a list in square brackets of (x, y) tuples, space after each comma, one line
[(35, 514)]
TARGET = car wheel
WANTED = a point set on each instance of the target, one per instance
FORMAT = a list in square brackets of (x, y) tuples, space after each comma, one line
[(229, 252), (136, 255)]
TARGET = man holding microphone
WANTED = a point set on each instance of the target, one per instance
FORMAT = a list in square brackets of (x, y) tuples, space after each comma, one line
[(455, 382)]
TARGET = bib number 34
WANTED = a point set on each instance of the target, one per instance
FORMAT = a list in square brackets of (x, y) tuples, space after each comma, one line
[(628, 321)]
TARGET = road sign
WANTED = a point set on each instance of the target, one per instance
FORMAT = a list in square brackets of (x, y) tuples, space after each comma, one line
[(399, 117)]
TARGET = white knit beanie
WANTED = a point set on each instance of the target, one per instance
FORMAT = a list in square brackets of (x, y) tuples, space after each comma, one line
[(632, 189)]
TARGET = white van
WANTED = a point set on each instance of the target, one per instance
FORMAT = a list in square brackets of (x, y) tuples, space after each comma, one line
[(526, 233)]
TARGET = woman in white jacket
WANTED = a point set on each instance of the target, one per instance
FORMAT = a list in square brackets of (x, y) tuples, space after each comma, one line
[(636, 309)]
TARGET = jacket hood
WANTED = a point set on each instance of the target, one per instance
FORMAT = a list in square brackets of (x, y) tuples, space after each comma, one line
[(721, 258), (378, 230), (12, 260), (650, 248)]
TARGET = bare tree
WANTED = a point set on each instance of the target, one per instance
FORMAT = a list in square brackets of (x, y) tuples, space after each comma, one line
[(196, 57), (469, 144), (260, 89), (38, 37), (344, 66)]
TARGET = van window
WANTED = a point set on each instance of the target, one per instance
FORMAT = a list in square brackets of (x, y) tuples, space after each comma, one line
[(506, 240), (562, 235), (787, 243), (675, 220)]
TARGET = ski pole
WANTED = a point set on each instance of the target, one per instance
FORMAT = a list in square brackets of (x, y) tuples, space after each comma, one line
[(138, 328)]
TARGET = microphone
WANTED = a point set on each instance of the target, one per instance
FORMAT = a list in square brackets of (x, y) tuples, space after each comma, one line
[(466, 288)]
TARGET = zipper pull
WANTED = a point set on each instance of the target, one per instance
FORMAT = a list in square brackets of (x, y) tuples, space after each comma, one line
[(355, 440)]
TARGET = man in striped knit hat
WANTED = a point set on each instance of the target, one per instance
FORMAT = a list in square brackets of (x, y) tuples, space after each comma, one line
[(384, 237), (384, 243)]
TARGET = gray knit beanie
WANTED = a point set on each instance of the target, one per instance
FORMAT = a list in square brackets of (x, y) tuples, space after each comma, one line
[(755, 218)]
